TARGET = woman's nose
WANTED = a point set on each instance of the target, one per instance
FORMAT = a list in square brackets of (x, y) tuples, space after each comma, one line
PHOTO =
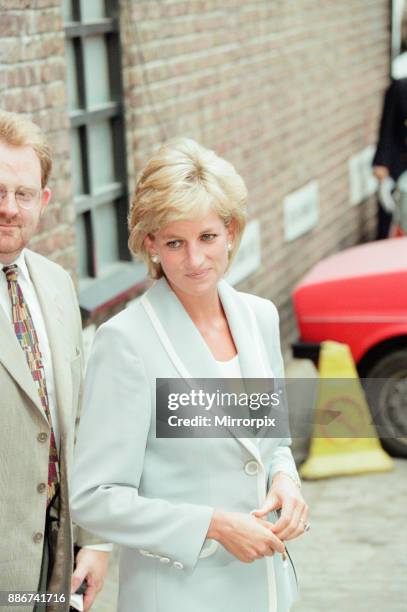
[(195, 255)]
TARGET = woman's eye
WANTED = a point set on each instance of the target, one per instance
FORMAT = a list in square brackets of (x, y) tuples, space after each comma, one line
[(173, 244), (208, 237)]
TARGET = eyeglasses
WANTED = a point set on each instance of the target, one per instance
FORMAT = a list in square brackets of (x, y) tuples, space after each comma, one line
[(26, 197)]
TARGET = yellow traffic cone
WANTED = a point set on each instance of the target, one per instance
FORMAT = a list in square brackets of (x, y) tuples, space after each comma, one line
[(344, 438)]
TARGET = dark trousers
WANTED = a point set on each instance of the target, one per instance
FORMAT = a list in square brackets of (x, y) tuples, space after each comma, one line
[(47, 553), (42, 586), (383, 222)]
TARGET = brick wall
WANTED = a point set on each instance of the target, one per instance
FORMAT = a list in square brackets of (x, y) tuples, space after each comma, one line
[(32, 81), (286, 90)]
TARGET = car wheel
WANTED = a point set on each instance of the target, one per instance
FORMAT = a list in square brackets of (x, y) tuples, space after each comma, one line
[(386, 391)]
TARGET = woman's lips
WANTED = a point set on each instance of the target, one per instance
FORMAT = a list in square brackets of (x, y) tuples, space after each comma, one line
[(198, 275)]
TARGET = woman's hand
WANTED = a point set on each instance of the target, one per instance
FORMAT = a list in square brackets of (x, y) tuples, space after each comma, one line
[(244, 536), (285, 494)]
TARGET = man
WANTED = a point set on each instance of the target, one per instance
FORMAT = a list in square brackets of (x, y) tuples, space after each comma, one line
[(40, 383), (390, 160)]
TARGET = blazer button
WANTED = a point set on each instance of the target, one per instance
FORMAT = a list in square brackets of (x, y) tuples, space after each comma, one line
[(37, 537), (42, 437), (41, 487), (251, 468), (164, 560), (178, 565)]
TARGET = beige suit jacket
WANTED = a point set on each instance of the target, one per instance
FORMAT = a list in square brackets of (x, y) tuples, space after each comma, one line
[(23, 446)]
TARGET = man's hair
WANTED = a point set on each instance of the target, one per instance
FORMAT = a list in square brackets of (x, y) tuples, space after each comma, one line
[(18, 131)]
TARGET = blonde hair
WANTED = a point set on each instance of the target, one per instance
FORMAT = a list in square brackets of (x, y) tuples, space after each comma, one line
[(184, 180), (18, 131)]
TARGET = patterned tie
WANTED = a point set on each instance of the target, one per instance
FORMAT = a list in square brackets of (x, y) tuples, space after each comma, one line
[(28, 339)]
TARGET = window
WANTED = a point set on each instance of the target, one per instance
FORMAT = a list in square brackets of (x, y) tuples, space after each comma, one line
[(399, 39), (97, 147)]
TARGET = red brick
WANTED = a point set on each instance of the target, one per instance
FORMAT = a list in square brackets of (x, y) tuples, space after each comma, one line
[(285, 90)]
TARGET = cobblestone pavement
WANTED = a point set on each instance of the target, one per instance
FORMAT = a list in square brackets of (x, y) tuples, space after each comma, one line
[(354, 559)]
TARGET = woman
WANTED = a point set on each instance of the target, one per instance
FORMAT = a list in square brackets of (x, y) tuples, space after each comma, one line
[(182, 509)]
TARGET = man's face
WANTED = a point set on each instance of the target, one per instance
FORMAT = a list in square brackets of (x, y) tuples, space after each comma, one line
[(19, 167)]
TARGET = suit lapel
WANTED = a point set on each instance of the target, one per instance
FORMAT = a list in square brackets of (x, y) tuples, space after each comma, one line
[(180, 337), (245, 332), (13, 359), (246, 335), (188, 350), (53, 314)]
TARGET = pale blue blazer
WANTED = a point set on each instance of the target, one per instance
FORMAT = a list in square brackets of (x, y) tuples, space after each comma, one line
[(155, 497)]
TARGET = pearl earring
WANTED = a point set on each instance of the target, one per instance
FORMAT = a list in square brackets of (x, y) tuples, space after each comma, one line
[(229, 246), (155, 259)]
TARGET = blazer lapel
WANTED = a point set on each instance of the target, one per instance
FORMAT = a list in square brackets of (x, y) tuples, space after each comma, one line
[(180, 337), (188, 350), (245, 332), (13, 359), (53, 314), (246, 335)]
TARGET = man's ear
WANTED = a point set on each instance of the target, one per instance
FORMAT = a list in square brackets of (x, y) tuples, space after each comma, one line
[(45, 198)]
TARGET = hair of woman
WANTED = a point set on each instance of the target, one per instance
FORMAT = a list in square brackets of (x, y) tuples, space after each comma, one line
[(184, 180)]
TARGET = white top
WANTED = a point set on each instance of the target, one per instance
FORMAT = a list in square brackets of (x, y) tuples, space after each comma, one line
[(31, 298), (231, 368)]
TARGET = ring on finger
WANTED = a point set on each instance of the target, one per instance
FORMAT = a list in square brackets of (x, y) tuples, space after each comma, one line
[(306, 525)]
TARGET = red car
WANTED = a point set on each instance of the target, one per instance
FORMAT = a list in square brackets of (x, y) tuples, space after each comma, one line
[(359, 297)]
